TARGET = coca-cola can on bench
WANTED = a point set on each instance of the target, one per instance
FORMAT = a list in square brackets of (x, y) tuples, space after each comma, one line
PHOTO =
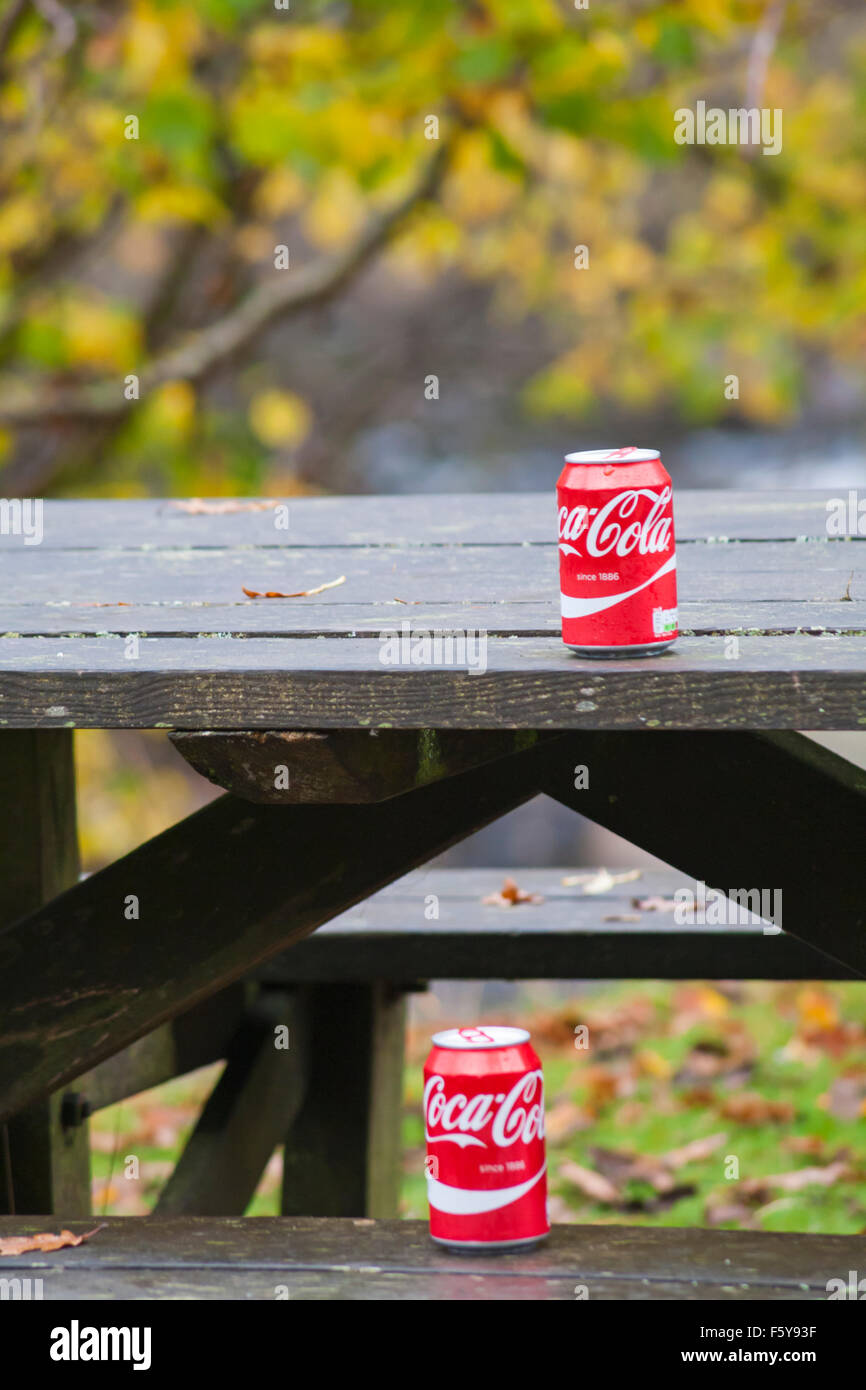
[(484, 1125), (617, 553)]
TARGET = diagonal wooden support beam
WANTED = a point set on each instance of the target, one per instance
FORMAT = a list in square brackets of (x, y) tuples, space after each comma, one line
[(771, 811), (248, 1113), (200, 905)]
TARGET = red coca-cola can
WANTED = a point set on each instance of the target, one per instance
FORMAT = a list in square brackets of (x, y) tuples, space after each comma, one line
[(617, 553), (484, 1125)]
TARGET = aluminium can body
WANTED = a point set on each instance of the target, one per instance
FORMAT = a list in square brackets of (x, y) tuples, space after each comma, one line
[(484, 1127), (617, 553)]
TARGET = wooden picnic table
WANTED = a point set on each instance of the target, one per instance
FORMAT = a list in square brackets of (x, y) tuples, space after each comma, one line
[(345, 771)]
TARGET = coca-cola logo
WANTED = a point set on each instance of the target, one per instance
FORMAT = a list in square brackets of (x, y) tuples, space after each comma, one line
[(460, 1119), (611, 529)]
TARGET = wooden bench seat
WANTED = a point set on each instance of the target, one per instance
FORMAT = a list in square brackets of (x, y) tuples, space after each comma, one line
[(571, 935), (303, 1258)]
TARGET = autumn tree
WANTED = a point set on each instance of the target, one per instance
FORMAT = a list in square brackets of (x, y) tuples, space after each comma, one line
[(177, 177)]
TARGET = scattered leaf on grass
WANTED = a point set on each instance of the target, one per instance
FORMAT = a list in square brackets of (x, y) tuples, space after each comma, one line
[(301, 593), (622, 1167), (750, 1108), (565, 1119), (809, 1177), (722, 1213), (847, 1098), (510, 895), (695, 1152), (591, 1184), (45, 1240)]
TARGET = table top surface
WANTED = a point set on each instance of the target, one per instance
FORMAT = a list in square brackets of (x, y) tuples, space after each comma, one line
[(135, 614)]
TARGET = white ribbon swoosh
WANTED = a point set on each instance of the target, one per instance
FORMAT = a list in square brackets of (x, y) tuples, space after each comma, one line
[(457, 1201), (582, 607), (464, 1140)]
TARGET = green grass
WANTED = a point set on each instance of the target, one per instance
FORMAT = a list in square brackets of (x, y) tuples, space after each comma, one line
[(783, 1044)]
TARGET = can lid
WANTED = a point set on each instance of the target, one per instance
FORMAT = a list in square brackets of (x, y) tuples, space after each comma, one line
[(481, 1038), (629, 454)]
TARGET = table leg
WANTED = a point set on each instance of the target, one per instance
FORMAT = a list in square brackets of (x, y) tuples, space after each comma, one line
[(44, 1148), (343, 1152)]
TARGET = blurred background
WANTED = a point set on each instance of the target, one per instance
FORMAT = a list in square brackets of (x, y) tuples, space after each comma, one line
[(384, 246)]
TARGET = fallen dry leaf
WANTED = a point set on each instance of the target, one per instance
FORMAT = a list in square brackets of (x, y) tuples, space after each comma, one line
[(591, 1184), (198, 506), (622, 917), (626, 1167), (510, 895), (809, 1177), (655, 904), (847, 1098), (694, 1152), (718, 1214), (301, 593), (750, 1108), (599, 880), (565, 1119), (45, 1240)]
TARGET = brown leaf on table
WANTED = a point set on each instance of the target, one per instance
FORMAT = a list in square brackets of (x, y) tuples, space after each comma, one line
[(45, 1240), (750, 1108), (301, 593), (599, 880), (510, 895), (655, 904), (622, 917), (199, 506)]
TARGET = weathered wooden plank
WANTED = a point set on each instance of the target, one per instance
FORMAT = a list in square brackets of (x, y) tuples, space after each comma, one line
[(707, 1260), (339, 765), (44, 1148), (504, 618), (374, 1285), (432, 519), (252, 1105), (193, 1039), (214, 895), (776, 811), (110, 579), (342, 1153), (568, 936), (764, 682)]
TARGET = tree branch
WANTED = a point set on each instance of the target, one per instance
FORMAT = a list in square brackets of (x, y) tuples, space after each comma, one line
[(208, 349)]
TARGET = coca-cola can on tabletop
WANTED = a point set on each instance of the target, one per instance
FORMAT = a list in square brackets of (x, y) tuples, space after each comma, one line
[(484, 1126), (617, 553)]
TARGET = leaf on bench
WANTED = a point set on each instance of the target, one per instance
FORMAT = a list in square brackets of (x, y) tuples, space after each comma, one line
[(44, 1240), (510, 895), (599, 881)]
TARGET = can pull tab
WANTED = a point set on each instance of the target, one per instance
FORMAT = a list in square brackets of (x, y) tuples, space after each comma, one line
[(475, 1035)]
